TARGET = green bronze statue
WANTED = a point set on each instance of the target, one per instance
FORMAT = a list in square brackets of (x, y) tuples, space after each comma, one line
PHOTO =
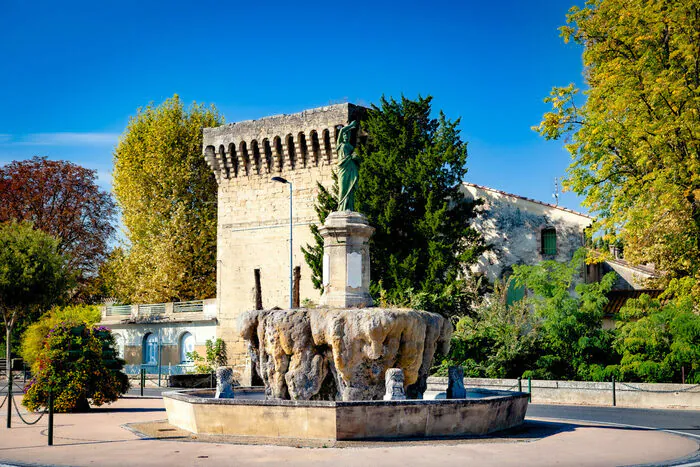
[(348, 169)]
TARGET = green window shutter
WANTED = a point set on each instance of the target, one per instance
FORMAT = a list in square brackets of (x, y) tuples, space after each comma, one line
[(549, 242), (514, 292)]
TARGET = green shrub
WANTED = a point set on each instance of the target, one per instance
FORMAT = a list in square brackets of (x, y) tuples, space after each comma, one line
[(215, 357), (551, 333), (571, 341), (33, 337), (659, 338), (80, 366), (498, 341)]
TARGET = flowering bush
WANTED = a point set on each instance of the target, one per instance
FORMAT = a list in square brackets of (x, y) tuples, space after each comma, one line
[(74, 315), (80, 366)]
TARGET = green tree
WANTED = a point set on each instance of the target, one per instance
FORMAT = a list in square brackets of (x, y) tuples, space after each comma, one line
[(572, 343), (497, 340), (326, 203), (410, 190), (74, 315), (33, 275), (167, 196), (63, 200), (658, 339), (79, 365), (412, 166), (635, 137)]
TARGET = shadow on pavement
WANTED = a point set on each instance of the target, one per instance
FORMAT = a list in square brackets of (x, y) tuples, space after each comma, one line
[(125, 409)]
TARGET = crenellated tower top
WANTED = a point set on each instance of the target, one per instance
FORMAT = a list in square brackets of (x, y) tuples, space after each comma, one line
[(278, 143)]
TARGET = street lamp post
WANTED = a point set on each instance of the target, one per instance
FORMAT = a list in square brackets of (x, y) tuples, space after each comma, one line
[(291, 250)]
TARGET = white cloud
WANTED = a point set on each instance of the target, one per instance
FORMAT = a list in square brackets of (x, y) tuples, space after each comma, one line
[(62, 139)]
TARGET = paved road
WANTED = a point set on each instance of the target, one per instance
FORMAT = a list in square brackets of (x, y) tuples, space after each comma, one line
[(684, 421)]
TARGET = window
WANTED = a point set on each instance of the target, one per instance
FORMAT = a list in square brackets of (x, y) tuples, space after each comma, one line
[(514, 293), (119, 340), (150, 349), (186, 346), (549, 241)]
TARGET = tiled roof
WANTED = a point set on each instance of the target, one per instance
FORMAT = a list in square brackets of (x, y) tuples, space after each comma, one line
[(618, 298), (642, 268), (493, 190)]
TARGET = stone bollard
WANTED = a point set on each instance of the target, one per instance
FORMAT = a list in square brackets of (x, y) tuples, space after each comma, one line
[(393, 383), (455, 383), (224, 390)]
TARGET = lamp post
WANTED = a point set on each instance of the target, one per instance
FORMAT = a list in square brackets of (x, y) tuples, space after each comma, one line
[(291, 250)]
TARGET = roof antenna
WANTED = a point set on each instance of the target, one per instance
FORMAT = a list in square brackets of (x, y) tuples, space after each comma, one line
[(555, 195)]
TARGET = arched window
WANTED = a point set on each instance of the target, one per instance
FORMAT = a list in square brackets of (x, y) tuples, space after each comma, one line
[(549, 241), (222, 161), (233, 159), (291, 152), (268, 155), (302, 149), (328, 151), (243, 150), (150, 349), (256, 157), (277, 143), (186, 346), (119, 340), (315, 148)]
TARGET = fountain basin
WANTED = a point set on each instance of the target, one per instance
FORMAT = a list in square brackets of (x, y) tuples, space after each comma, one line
[(248, 414)]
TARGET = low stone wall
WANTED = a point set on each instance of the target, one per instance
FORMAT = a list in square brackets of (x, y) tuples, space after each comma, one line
[(249, 414), (643, 395)]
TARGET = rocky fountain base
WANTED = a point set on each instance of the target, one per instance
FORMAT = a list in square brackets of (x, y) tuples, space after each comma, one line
[(324, 369), (342, 354), (324, 373)]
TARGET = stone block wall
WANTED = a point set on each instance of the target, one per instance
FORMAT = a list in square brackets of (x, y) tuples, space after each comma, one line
[(253, 210)]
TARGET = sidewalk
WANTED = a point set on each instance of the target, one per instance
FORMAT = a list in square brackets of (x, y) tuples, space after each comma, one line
[(98, 438)]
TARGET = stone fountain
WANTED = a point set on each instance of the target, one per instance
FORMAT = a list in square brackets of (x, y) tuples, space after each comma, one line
[(342, 350), (335, 372)]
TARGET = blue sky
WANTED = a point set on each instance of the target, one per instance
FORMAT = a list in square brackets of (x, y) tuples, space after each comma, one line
[(74, 72)]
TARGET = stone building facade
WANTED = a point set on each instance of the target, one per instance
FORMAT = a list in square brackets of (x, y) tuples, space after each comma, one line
[(253, 210), (523, 231), (157, 337)]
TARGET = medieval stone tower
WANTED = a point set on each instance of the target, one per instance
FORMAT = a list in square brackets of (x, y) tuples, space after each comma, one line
[(253, 210)]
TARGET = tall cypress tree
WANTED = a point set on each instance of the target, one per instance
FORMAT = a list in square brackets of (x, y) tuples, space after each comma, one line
[(326, 203), (411, 170)]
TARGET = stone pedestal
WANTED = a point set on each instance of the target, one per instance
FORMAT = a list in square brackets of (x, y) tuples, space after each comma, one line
[(346, 260)]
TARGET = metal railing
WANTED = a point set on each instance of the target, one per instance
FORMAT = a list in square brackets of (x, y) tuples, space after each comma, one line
[(117, 310), (188, 307), (152, 309)]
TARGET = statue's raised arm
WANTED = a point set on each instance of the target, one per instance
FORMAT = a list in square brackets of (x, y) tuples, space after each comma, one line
[(348, 170), (346, 130)]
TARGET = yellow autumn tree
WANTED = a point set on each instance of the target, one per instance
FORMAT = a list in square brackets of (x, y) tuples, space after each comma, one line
[(634, 134), (167, 197)]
